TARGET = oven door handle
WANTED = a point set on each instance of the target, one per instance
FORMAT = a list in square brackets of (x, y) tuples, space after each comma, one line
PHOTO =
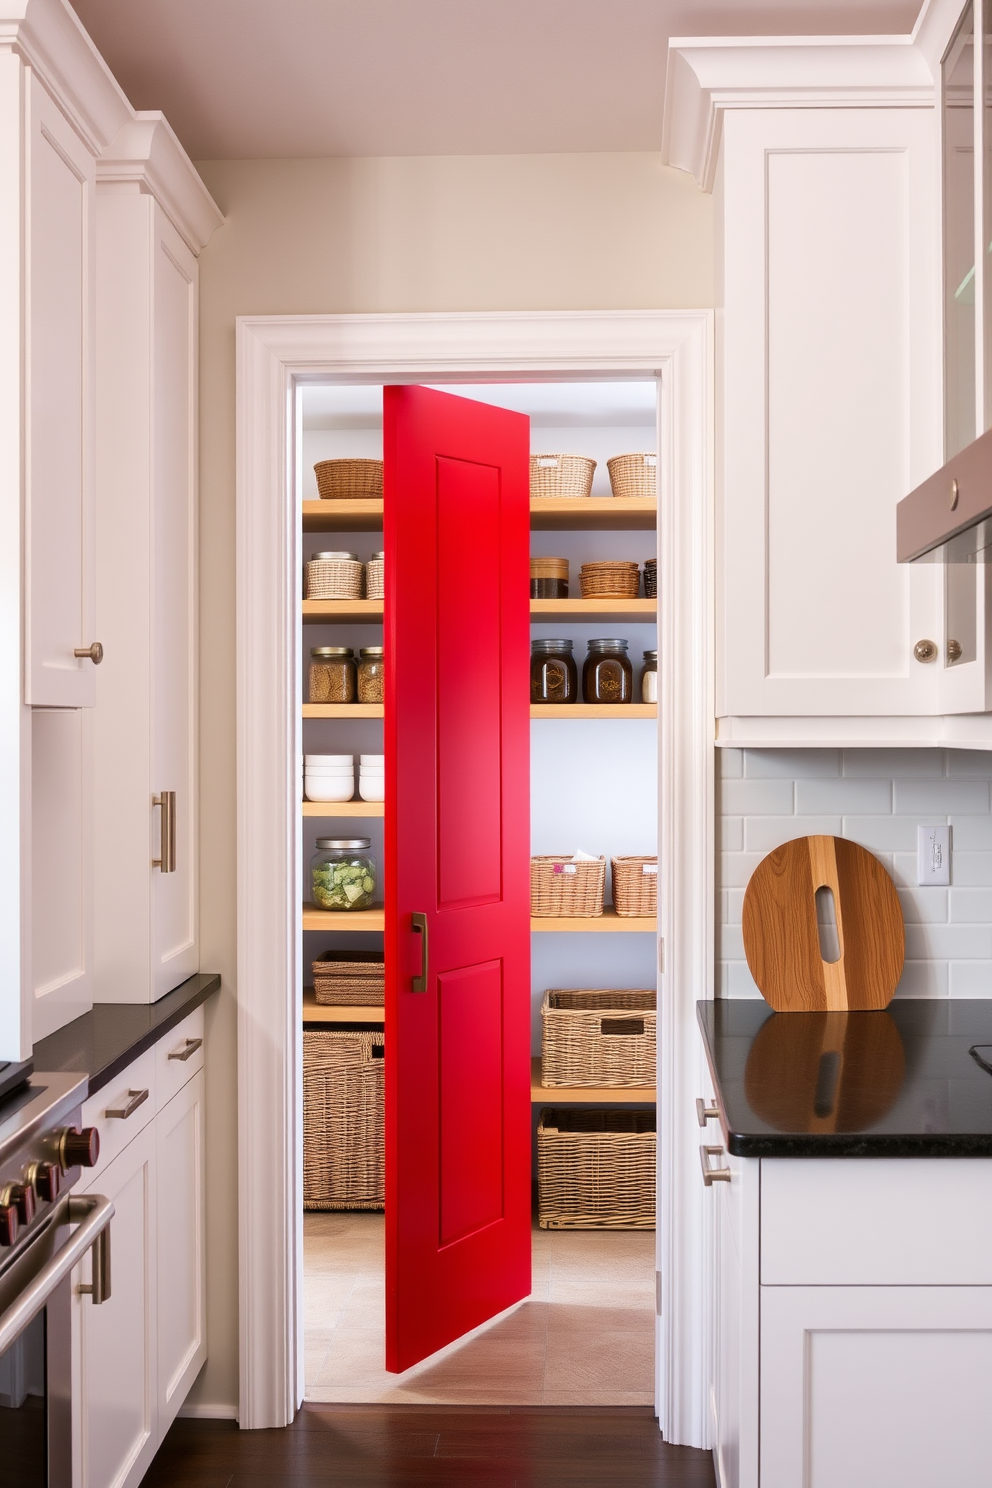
[(93, 1213)]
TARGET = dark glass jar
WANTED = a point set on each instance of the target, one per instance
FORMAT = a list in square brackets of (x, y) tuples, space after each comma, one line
[(607, 676), (554, 677)]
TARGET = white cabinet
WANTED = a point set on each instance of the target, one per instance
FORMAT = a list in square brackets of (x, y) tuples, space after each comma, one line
[(182, 1317), (153, 215)]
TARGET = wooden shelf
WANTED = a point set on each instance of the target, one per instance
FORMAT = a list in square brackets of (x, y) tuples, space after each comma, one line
[(343, 710), (609, 921), (595, 609), (342, 516), (342, 611), (344, 919), (593, 514), (344, 808), (597, 1095), (314, 1012), (594, 710)]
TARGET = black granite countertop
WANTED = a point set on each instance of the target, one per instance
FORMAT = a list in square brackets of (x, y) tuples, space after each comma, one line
[(898, 1083), (104, 1041)]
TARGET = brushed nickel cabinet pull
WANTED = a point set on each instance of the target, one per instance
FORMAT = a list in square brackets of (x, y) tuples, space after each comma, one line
[(712, 1175), (704, 1112), (167, 802), (92, 653), (135, 1098), (187, 1051)]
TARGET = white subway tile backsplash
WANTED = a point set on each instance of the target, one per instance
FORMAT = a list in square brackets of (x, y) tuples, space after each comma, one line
[(730, 764), (970, 870), (969, 764), (941, 797), (730, 943), (740, 982), (756, 797), (970, 905), (730, 834), (877, 833), (735, 905), (789, 764), (969, 979), (925, 906), (843, 797), (948, 942), (735, 869), (970, 834), (924, 979), (762, 833), (889, 764)]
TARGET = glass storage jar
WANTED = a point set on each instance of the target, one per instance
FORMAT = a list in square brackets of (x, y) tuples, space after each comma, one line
[(649, 678), (371, 674), (342, 873), (553, 674), (607, 675), (332, 675)]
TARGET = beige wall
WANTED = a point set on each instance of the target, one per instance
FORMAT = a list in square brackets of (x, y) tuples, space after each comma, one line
[(537, 232)]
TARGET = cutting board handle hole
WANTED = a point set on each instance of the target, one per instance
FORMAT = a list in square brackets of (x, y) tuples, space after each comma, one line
[(826, 924)]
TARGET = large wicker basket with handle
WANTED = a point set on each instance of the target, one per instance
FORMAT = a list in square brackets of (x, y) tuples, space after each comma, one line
[(635, 886), (563, 889), (596, 1169), (598, 1037), (343, 1124)]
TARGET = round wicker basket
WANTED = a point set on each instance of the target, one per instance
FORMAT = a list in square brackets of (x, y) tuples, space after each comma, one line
[(561, 475), (349, 480), (633, 475)]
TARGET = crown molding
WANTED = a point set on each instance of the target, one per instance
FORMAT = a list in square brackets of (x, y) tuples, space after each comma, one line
[(706, 76), (935, 26), (49, 37), (146, 156)]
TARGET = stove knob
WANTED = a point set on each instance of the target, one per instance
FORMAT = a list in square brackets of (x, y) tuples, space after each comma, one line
[(8, 1224), (19, 1196), (46, 1180), (79, 1149)]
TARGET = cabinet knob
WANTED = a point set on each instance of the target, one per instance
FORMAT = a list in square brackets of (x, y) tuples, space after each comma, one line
[(19, 1196), (925, 650), (954, 649), (953, 495), (8, 1224), (79, 1149), (92, 653), (46, 1179)]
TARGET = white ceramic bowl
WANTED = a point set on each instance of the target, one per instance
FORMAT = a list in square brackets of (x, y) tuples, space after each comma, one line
[(373, 761), (328, 761), (330, 788), (372, 787), (329, 770)]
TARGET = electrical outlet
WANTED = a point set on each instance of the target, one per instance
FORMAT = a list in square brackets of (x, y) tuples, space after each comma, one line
[(933, 855)]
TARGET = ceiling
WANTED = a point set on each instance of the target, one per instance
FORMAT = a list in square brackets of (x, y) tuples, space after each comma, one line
[(248, 79)]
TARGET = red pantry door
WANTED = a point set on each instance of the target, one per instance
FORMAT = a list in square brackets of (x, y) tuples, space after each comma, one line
[(457, 745)]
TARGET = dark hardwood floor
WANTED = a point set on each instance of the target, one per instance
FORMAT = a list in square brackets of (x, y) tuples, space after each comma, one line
[(409, 1446)]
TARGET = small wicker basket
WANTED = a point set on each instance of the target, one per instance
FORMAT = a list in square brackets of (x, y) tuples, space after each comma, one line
[(651, 578), (375, 578), (609, 580), (633, 475), (596, 1038), (343, 1121), (349, 978), (561, 889), (635, 886), (561, 475), (596, 1169), (349, 480), (333, 576)]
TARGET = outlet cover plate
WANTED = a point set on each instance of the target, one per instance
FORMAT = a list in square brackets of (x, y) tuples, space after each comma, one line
[(933, 855)]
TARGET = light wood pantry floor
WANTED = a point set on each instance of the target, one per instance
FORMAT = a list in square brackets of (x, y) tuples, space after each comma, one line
[(585, 1337)]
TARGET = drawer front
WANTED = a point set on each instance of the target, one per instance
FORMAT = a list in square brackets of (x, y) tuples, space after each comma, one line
[(179, 1055), (117, 1131), (876, 1222)]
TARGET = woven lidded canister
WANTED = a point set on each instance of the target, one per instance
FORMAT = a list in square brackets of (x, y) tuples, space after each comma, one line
[(633, 475), (549, 578), (351, 479), (333, 576), (561, 475)]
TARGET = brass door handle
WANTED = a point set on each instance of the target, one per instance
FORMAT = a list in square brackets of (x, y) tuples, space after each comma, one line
[(704, 1112), (167, 861), (418, 924), (188, 1050), (135, 1098), (712, 1175), (92, 653)]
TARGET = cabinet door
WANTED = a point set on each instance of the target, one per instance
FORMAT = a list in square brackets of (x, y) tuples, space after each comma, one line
[(830, 410), (182, 1340), (863, 1387), (114, 1404), (59, 546)]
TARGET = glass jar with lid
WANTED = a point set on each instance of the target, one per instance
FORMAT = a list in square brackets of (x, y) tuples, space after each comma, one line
[(342, 873), (649, 678), (607, 675), (332, 675), (371, 674), (553, 674)]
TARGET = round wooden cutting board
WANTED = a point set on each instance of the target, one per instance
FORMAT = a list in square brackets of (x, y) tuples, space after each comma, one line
[(782, 941)]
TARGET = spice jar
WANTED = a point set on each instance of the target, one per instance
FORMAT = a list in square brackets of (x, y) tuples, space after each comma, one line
[(649, 678), (607, 676), (371, 675), (553, 674), (342, 873), (332, 675)]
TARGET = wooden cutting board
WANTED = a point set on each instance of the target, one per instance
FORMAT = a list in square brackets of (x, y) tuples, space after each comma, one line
[(782, 941)]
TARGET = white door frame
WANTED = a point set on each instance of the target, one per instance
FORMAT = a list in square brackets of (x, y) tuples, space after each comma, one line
[(272, 353)]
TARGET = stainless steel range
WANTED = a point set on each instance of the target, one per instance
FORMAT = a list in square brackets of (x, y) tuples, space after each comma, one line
[(44, 1231)]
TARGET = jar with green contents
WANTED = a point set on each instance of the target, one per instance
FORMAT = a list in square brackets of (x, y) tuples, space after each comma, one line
[(342, 873)]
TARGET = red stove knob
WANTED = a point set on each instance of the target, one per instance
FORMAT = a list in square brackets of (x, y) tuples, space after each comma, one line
[(8, 1224), (79, 1149), (19, 1196), (46, 1179)]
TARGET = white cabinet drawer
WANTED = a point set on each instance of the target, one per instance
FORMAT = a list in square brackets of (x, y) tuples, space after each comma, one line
[(179, 1055), (123, 1093), (876, 1222)]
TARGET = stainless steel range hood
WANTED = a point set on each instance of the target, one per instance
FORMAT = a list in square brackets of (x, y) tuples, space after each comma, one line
[(948, 519)]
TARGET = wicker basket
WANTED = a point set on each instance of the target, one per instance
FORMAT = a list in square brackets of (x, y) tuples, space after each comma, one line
[(561, 475), (562, 889), (343, 1127), (596, 1038), (635, 886), (633, 475), (375, 579), (349, 480), (651, 578), (354, 978), (609, 580), (333, 578), (596, 1169)]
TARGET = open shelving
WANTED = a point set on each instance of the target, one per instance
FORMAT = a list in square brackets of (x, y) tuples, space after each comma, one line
[(373, 919), (608, 923), (344, 808), (343, 710), (594, 710), (359, 611), (586, 1095), (547, 514), (316, 1012)]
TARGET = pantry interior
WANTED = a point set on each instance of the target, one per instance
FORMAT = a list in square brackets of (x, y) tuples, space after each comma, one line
[(587, 1334)]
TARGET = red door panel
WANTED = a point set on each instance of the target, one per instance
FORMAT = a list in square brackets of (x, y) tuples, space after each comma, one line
[(457, 736)]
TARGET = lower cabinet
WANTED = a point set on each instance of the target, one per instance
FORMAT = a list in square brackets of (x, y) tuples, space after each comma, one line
[(182, 1317)]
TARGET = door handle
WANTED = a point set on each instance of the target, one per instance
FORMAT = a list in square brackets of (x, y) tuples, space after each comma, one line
[(418, 924), (167, 861)]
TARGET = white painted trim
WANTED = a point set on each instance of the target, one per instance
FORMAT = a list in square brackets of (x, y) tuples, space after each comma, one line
[(147, 156), (951, 731), (935, 25), (208, 1412), (707, 75), (271, 353), (48, 35)]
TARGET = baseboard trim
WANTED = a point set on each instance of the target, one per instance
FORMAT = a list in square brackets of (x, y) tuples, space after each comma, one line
[(209, 1412)]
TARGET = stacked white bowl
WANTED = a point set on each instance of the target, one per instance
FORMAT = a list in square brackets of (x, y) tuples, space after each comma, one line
[(329, 777), (372, 777)]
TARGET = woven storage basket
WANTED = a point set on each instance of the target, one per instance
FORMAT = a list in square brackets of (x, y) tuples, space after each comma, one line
[(560, 888), (633, 475), (349, 977), (343, 1128), (561, 475), (616, 580), (375, 579), (635, 885), (596, 1169), (342, 480), (597, 1038), (333, 578), (651, 578)]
